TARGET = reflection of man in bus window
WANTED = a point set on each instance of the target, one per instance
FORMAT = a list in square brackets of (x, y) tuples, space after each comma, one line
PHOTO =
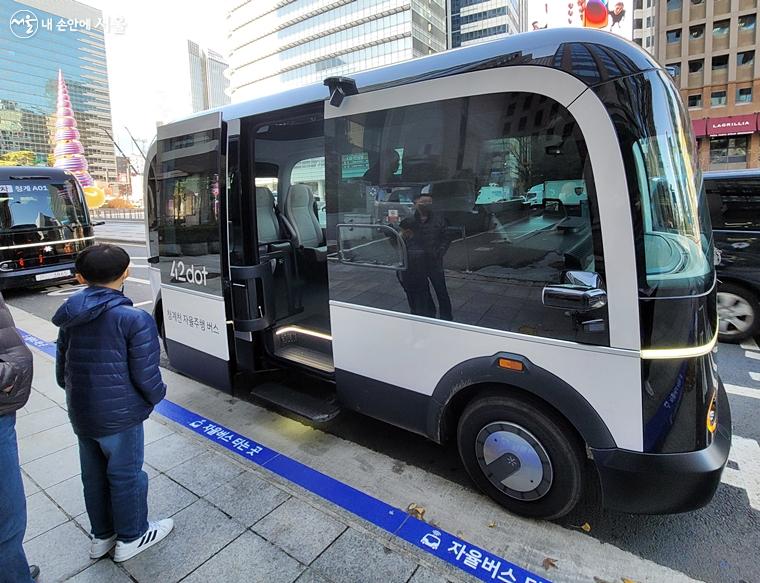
[(427, 242), (384, 169)]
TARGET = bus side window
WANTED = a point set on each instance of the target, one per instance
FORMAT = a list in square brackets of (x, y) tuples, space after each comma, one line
[(479, 249)]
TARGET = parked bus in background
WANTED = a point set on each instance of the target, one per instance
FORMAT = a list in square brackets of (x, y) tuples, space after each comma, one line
[(44, 224), (558, 338)]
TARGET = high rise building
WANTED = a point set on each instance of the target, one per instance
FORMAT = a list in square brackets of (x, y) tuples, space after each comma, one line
[(208, 83), (280, 44), (472, 21), (644, 20), (710, 48), (39, 38)]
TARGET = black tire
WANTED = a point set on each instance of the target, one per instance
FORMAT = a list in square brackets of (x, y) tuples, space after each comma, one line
[(742, 306), (562, 480)]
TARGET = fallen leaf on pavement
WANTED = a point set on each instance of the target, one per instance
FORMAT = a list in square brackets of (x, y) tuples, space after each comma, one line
[(549, 563), (586, 527), (416, 510), (627, 580), (491, 524)]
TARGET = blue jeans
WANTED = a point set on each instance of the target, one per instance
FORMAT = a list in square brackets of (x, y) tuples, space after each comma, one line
[(13, 565), (115, 486)]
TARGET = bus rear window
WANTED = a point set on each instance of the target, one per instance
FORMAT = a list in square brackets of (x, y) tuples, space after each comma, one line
[(38, 204)]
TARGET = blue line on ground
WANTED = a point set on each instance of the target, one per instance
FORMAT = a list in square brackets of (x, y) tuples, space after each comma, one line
[(469, 558)]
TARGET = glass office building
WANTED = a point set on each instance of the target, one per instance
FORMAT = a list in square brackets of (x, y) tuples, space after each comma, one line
[(40, 37), (473, 21), (276, 45), (208, 82)]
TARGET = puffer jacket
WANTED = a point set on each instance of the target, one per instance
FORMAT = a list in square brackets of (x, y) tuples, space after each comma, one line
[(108, 361), (15, 365)]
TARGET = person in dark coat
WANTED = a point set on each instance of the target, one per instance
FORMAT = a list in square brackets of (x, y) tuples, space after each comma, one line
[(15, 387), (108, 361), (427, 241)]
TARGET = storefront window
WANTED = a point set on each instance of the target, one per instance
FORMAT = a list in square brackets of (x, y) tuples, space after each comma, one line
[(728, 150)]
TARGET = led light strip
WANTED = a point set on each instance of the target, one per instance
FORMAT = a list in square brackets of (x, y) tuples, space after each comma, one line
[(669, 353), (46, 243), (304, 331)]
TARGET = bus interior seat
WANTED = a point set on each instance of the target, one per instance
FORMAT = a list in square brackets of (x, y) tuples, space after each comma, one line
[(267, 225), (299, 213)]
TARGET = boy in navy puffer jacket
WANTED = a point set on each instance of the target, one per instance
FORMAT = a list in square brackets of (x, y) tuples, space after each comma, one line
[(108, 362)]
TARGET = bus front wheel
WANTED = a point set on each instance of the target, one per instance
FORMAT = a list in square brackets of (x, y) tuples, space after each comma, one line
[(521, 455)]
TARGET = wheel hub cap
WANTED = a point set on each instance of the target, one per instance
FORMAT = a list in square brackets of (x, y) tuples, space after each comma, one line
[(735, 314), (514, 461)]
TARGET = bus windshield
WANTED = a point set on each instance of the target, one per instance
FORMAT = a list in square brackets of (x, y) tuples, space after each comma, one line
[(678, 244), (39, 204)]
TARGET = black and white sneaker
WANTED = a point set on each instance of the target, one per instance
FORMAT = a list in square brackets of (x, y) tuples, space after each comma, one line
[(156, 532)]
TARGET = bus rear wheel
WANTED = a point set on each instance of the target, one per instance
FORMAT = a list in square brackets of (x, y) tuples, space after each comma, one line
[(523, 456)]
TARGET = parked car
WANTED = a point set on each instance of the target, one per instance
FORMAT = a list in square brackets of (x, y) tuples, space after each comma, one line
[(734, 201)]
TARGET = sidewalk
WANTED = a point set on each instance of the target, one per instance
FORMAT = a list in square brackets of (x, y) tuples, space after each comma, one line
[(231, 521), (121, 232), (240, 522)]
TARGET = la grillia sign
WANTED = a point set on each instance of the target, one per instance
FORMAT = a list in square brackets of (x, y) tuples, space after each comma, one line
[(726, 126)]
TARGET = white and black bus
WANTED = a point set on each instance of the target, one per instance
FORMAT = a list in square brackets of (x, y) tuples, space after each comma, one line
[(505, 245), (44, 224)]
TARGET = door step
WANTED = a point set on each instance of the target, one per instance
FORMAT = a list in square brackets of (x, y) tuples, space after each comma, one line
[(317, 405), (306, 356)]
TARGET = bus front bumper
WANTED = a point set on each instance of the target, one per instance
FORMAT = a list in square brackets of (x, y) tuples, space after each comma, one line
[(648, 483), (37, 276)]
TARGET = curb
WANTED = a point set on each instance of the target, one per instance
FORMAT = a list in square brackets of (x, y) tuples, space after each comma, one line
[(120, 240)]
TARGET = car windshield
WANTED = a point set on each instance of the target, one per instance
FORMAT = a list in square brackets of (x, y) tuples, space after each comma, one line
[(39, 204), (678, 243)]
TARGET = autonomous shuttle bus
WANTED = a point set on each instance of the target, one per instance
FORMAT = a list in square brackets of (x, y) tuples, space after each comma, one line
[(44, 224), (559, 339)]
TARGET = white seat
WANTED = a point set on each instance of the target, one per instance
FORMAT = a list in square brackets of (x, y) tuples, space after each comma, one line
[(299, 213)]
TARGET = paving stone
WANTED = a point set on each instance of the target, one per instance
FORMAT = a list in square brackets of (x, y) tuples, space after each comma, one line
[(59, 553), (204, 473), (29, 486), (38, 402), (69, 495), (299, 529), (40, 421), (46, 442), (171, 451), (84, 521), (42, 515), (55, 467), (154, 430), (247, 498), (150, 470), (423, 575), (166, 497), (104, 571), (251, 559), (310, 576), (357, 556), (200, 531)]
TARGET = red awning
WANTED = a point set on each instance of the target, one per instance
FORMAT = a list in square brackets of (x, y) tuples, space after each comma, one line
[(736, 124), (700, 127)]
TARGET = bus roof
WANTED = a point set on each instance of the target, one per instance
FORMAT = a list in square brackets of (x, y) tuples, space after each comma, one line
[(27, 172), (592, 56)]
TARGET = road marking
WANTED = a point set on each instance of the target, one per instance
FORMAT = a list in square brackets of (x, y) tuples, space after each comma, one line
[(752, 355), (139, 258), (750, 345), (742, 391), (746, 453), (133, 266), (137, 280), (755, 376), (142, 303)]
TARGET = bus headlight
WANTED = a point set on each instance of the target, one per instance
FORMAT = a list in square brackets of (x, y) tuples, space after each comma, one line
[(712, 416), (7, 266)]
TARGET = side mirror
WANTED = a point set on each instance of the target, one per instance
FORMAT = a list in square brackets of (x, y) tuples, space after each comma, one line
[(582, 293)]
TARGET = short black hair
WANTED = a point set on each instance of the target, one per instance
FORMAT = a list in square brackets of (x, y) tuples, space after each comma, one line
[(102, 264)]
